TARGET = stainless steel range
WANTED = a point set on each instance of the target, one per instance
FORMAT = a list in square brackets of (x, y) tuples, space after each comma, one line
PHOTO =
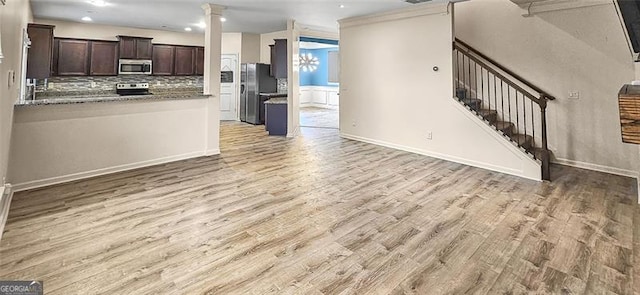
[(132, 89)]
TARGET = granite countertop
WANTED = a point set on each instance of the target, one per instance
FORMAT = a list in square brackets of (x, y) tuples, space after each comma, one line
[(272, 95), (277, 100), (110, 97)]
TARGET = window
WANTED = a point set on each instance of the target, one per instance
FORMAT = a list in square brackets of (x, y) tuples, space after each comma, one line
[(334, 66)]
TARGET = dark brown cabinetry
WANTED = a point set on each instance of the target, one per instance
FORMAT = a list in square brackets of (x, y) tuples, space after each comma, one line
[(163, 59), (185, 61), (200, 61), (135, 47), (40, 56), (279, 65), (71, 57), (104, 58)]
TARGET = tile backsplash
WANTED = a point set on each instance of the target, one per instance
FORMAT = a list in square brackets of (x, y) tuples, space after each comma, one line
[(282, 86), (108, 83)]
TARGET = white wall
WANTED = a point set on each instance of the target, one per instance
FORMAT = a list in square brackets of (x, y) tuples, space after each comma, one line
[(265, 41), (14, 17), (389, 94), (59, 143), (581, 49), (65, 29), (251, 45)]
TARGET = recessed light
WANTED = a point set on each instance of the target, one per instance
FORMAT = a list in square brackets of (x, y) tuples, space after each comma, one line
[(201, 25), (187, 29), (341, 5), (222, 19), (100, 3), (87, 19)]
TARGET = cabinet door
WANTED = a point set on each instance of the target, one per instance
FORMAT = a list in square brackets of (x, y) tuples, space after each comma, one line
[(144, 48), (199, 61), (272, 69), (281, 70), (127, 47), (73, 57), (104, 58), (163, 59), (40, 53), (185, 61)]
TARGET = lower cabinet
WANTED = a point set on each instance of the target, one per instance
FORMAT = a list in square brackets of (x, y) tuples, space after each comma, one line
[(276, 118)]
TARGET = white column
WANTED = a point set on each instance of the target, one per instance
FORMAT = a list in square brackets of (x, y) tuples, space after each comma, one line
[(212, 55)]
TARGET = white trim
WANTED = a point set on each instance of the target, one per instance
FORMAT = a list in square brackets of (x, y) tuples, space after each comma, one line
[(596, 167), (4, 210), (450, 158), (212, 152), (102, 171), (540, 6), (416, 10), (295, 133)]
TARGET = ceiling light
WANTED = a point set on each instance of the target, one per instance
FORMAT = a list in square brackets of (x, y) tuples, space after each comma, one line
[(187, 29), (341, 5), (222, 19), (100, 3), (87, 19), (201, 25)]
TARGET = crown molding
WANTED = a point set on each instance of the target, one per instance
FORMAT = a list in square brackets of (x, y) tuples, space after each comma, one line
[(404, 13), (533, 7), (214, 9)]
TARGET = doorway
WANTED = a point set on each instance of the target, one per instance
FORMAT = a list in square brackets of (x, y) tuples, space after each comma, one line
[(319, 84), (229, 98)]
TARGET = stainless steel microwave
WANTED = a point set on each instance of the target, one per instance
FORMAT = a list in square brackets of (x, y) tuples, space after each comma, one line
[(134, 67)]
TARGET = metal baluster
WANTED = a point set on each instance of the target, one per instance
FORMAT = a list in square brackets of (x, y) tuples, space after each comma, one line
[(482, 86), (469, 84), (509, 101), (495, 94), (524, 115), (502, 99), (533, 130), (517, 116)]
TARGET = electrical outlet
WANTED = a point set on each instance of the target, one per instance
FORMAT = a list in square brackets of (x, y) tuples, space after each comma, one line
[(429, 135), (93, 84), (574, 94), (354, 123)]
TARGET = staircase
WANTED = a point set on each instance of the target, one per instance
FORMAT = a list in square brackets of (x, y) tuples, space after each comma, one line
[(511, 105)]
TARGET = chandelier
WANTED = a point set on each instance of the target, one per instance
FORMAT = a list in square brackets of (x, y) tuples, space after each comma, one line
[(308, 62)]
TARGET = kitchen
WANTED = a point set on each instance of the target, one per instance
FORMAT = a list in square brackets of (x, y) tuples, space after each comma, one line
[(79, 126)]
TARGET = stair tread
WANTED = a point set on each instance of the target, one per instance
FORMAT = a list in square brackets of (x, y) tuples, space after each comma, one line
[(503, 125), (485, 112), (521, 138)]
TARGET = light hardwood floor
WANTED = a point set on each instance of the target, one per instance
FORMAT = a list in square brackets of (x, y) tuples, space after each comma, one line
[(323, 215), (319, 117)]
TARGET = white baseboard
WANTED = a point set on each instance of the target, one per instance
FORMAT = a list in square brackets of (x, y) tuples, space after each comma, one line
[(450, 158), (102, 171), (596, 167), (295, 132), (6, 194), (212, 152)]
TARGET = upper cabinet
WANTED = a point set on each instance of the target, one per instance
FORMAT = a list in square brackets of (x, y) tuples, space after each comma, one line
[(71, 57), (185, 61), (135, 47), (279, 65), (200, 61), (163, 60), (40, 54), (104, 58)]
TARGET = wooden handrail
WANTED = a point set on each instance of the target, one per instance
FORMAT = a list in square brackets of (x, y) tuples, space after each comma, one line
[(515, 86), (543, 94)]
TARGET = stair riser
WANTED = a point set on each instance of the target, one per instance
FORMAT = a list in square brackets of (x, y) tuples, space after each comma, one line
[(491, 118)]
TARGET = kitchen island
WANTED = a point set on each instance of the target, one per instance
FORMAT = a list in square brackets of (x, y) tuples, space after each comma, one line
[(63, 138)]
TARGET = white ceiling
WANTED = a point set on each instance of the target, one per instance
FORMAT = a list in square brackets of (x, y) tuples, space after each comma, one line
[(251, 16)]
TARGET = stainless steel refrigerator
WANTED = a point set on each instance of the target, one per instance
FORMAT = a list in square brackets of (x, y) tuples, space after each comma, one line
[(254, 79)]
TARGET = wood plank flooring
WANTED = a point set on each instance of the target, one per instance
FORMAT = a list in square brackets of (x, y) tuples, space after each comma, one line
[(324, 215), (319, 117)]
